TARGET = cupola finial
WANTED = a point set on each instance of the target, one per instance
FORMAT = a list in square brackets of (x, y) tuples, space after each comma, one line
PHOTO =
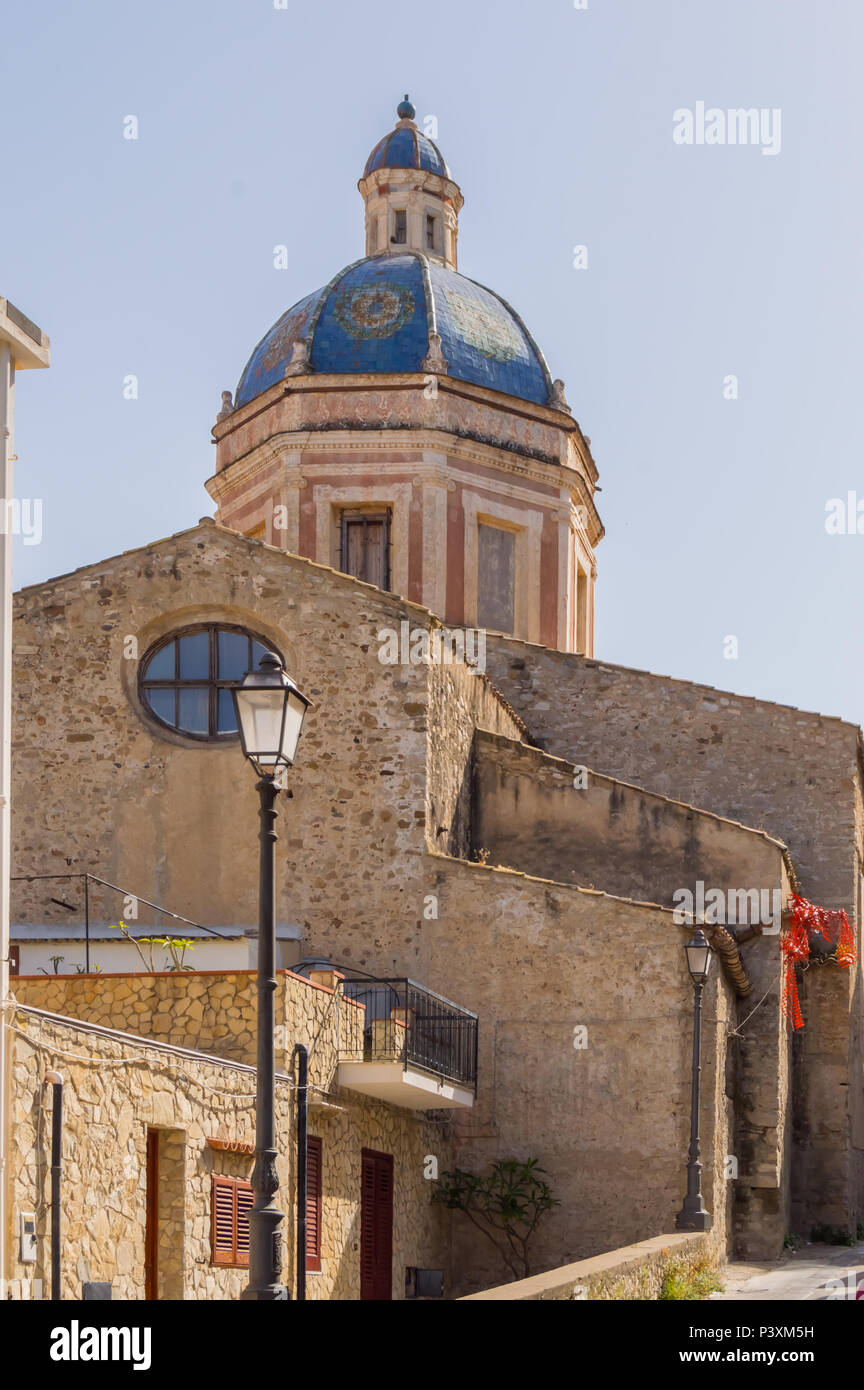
[(406, 111)]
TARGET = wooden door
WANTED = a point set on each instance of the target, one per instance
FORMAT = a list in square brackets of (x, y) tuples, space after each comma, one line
[(376, 1226), (366, 547), (151, 1229)]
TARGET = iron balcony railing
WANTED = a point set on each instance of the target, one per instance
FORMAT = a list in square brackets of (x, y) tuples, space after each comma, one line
[(405, 1022)]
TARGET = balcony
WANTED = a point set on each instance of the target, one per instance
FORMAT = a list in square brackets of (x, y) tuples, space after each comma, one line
[(411, 1047)]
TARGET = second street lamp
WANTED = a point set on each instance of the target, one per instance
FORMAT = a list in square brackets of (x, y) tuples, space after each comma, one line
[(693, 1216), (270, 711)]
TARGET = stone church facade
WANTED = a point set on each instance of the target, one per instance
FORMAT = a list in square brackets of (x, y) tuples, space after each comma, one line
[(397, 467)]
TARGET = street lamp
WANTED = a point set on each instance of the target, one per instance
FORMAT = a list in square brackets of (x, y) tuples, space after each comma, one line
[(693, 1215), (269, 710)]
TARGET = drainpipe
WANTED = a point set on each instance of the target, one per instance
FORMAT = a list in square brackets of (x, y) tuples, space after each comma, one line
[(302, 1054), (725, 944), (55, 1080)]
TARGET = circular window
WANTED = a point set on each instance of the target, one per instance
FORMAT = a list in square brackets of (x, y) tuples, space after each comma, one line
[(185, 680)]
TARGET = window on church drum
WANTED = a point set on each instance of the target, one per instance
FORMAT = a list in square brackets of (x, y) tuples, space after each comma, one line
[(496, 578), (430, 232), (400, 235), (185, 680), (365, 546)]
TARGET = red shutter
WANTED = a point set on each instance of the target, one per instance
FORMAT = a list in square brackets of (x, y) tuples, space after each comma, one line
[(230, 1203), (376, 1225), (151, 1229), (245, 1199), (313, 1204)]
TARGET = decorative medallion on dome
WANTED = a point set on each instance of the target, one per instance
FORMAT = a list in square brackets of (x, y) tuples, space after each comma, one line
[(282, 339), (384, 314), (492, 336), (376, 311)]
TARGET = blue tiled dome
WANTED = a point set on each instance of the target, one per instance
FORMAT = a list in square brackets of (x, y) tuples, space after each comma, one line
[(404, 148), (377, 315)]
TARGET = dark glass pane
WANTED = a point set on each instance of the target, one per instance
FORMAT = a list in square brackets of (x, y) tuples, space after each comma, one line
[(195, 657), (496, 566), (233, 656), (227, 724), (161, 666), (257, 652), (162, 703), (194, 710)]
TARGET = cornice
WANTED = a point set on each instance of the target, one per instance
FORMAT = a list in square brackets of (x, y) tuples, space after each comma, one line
[(245, 470), (375, 383)]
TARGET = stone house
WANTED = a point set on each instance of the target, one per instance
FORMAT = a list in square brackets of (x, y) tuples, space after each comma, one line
[(406, 517), (158, 1139)]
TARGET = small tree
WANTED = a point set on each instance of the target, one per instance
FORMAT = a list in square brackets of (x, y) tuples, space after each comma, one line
[(176, 946), (506, 1205)]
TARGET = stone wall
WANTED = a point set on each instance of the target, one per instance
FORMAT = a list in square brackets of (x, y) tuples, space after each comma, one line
[(793, 774), (213, 1012), (634, 1272), (608, 1120), (772, 767), (117, 1088), (459, 704), (530, 814), (100, 786)]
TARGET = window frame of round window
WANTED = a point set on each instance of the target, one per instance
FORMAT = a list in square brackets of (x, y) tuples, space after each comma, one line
[(212, 682)]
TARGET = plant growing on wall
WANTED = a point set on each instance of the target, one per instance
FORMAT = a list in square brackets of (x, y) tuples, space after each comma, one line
[(506, 1204), (56, 962), (176, 946)]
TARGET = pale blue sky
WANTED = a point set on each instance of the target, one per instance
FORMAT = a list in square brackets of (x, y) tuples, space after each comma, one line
[(155, 257)]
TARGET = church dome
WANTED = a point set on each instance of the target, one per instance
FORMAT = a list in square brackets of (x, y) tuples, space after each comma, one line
[(382, 313), (406, 147)]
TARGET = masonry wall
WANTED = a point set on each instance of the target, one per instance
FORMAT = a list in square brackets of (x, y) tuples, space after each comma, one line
[(539, 814), (116, 1088), (100, 787), (460, 702), (794, 774), (213, 1012), (609, 1121)]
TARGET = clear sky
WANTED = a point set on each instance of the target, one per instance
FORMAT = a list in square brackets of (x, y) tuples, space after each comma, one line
[(154, 257)]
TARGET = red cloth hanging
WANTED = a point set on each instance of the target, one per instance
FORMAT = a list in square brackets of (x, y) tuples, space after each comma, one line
[(833, 925)]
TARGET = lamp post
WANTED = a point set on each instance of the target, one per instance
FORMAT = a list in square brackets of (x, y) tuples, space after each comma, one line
[(269, 710), (693, 1215)]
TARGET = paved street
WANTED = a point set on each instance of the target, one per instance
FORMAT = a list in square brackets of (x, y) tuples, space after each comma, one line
[(809, 1274)]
